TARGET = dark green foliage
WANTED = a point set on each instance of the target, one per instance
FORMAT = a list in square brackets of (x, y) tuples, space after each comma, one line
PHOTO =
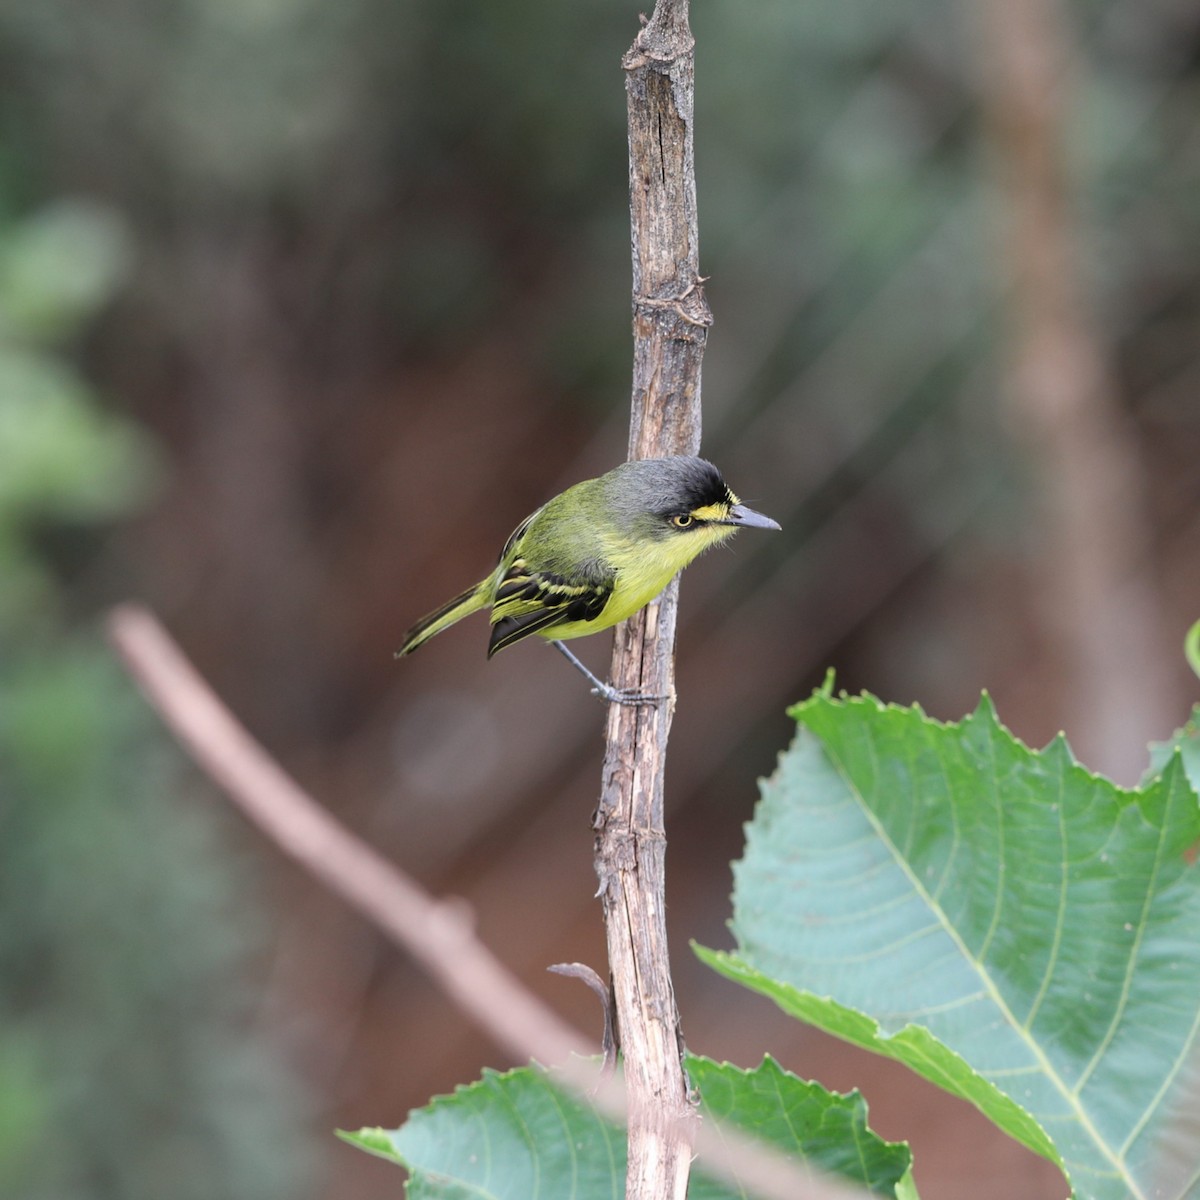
[(128, 1068), (515, 1137)]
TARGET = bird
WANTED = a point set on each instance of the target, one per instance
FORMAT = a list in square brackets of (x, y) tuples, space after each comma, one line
[(597, 553)]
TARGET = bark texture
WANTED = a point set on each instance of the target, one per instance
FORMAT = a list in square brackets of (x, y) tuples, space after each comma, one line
[(670, 324)]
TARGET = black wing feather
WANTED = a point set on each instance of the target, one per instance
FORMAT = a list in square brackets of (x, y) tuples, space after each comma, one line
[(512, 629), (543, 600)]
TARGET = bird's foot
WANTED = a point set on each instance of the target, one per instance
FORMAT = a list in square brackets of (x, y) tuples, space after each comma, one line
[(627, 696), (611, 695)]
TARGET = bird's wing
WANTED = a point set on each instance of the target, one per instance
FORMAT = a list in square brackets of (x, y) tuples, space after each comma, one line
[(529, 601)]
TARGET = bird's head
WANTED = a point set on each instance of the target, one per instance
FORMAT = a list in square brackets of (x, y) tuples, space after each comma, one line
[(683, 499)]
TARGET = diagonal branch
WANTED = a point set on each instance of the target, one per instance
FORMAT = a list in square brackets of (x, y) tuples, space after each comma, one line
[(436, 934)]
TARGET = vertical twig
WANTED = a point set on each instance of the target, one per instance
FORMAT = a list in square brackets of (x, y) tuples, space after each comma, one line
[(670, 322), (438, 935), (1099, 602)]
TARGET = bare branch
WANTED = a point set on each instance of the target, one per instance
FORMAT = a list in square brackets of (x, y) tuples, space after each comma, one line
[(436, 934), (670, 324), (603, 993)]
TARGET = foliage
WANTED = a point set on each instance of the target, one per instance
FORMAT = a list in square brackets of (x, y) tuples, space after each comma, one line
[(125, 1068), (515, 1137), (1012, 927), (219, 126), (1017, 930)]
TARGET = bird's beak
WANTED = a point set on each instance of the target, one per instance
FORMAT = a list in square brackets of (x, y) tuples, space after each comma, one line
[(739, 514)]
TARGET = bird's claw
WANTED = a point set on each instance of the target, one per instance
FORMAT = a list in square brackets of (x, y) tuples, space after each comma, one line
[(628, 696)]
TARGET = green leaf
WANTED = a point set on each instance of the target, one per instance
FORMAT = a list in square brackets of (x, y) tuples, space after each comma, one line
[(58, 266), (1186, 741), (1015, 929), (516, 1137), (828, 1129), (59, 455), (507, 1136)]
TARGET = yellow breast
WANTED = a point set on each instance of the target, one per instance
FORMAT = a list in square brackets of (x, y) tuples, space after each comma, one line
[(643, 570)]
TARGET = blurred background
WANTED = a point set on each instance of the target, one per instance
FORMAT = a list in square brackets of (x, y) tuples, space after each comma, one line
[(304, 305)]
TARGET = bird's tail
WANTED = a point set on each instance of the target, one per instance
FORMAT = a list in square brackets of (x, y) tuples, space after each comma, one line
[(470, 601)]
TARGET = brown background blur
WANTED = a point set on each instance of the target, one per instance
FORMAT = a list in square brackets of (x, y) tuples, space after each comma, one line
[(372, 307)]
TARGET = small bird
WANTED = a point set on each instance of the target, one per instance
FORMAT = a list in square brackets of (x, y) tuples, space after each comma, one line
[(597, 553)]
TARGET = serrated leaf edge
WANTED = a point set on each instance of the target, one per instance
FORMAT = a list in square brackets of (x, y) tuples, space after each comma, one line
[(1058, 752), (1057, 749), (732, 966)]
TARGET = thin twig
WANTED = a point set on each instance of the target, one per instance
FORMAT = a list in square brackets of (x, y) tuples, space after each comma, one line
[(609, 1043), (670, 326), (436, 934)]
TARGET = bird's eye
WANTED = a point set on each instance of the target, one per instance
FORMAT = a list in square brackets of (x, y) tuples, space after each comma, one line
[(682, 520)]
